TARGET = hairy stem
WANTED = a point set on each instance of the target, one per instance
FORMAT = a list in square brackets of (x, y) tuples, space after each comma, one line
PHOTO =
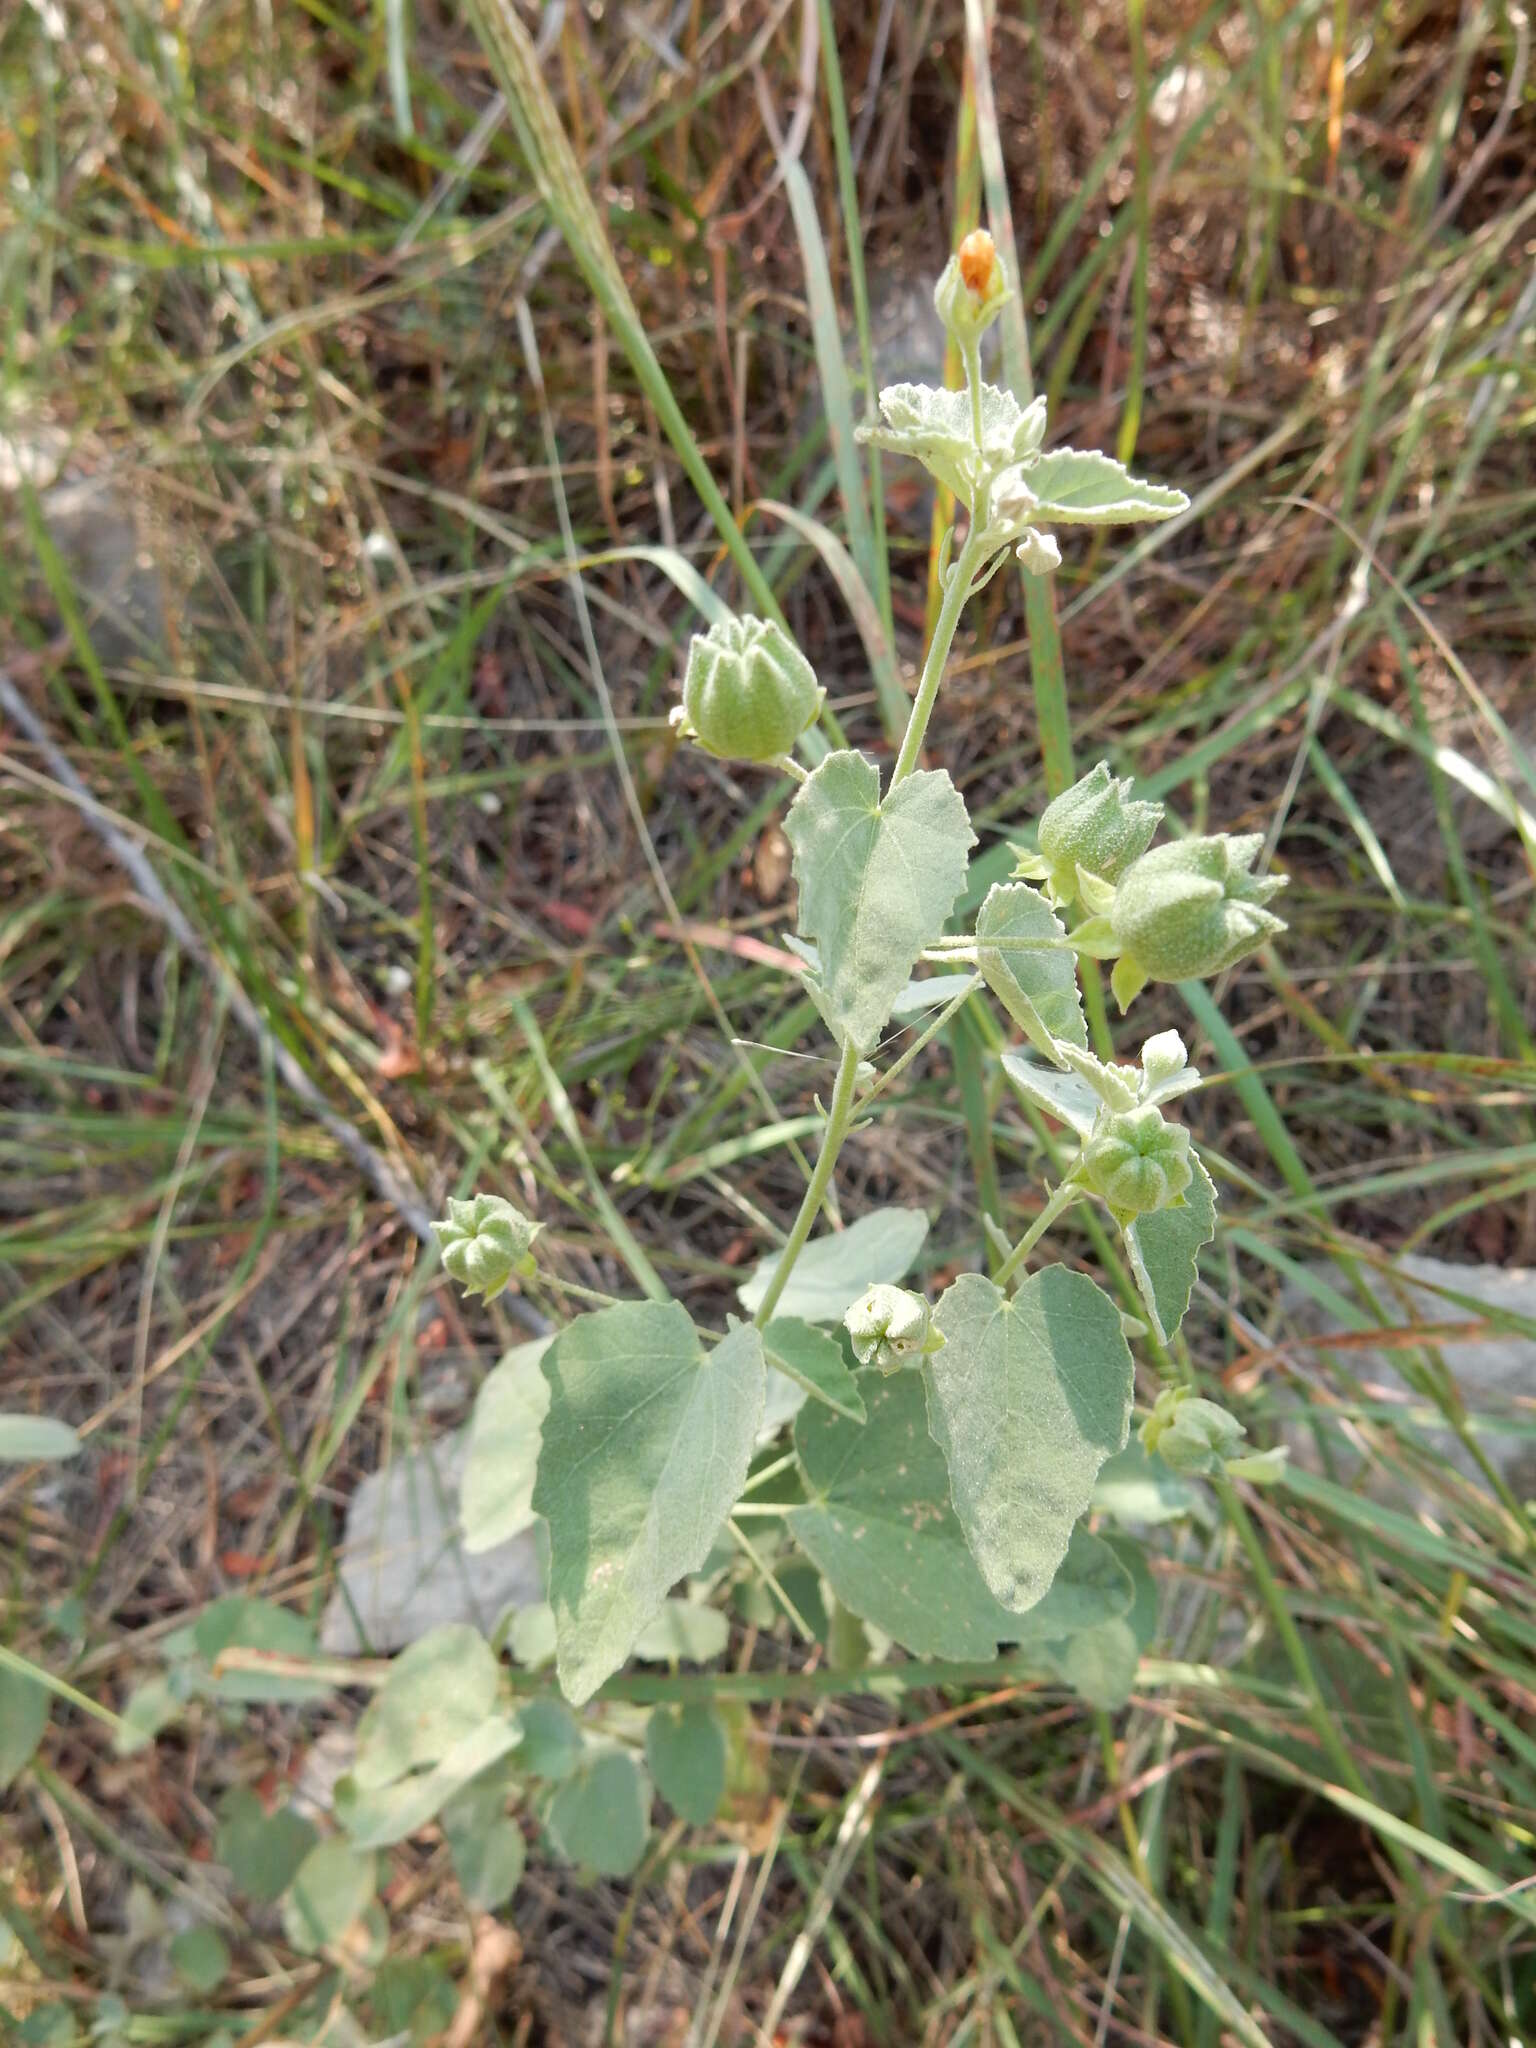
[(1061, 1201), (972, 359), (956, 591), (931, 1032), (838, 1118), (841, 1113)]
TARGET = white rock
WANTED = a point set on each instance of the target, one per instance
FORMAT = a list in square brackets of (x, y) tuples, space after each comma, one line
[(404, 1568), (1495, 1374)]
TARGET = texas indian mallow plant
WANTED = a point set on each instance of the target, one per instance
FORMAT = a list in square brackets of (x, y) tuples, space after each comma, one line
[(946, 1450)]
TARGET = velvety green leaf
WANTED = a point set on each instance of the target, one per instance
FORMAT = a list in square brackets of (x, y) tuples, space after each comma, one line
[(1081, 487), (1100, 1664), (1066, 1097), (438, 1691), (1139, 1491), (815, 1361), (496, 1495), (531, 1638), (685, 1747), (880, 1528), (1091, 1587), (241, 1622), (934, 426), (333, 1887), (551, 1745), (1027, 1399), (646, 1448), (1165, 1251), (489, 1856), (24, 1709), (683, 1632), (262, 1851), (377, 1815), (833, 1271), (200, 1957), (877, 880), (1026, 968), (600, 1817), (35, 1439)]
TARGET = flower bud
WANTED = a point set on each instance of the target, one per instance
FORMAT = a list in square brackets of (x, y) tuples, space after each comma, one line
[(971, 290), (1096, 825), (748, 692), (1192, 908), (977, 257), (1136, 1161), (890, 1327), (1194, 1436), (1038, 553), (1190, 1434), (484, 1242)]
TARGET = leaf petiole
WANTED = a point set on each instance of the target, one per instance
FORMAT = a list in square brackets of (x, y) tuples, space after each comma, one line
[(1058, 1205)]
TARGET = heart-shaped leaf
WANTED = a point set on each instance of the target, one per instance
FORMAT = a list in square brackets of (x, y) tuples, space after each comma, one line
[(645, 1449), (877, 880), (1033, 975), (880, 1528), (600, 1817), (833, 1271), (1165, 1251), (496, 1496), (1027, 1399)]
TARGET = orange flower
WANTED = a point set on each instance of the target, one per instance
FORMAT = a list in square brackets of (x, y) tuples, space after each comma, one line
[(978, 254)]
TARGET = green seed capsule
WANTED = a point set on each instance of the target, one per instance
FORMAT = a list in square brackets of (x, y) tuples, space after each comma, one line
[(1096, 825), (748, 692), (484, 1242), (1137, 1161), (1191, 909)]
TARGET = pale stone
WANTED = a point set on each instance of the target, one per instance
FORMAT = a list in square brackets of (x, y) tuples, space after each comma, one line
[(404, 1568)]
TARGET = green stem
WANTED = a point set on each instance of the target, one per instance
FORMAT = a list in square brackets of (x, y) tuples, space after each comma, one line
[(895, 1072), (971, 357), (840, 1116), (956, 591), (838, 1119), (1058, 1204)]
